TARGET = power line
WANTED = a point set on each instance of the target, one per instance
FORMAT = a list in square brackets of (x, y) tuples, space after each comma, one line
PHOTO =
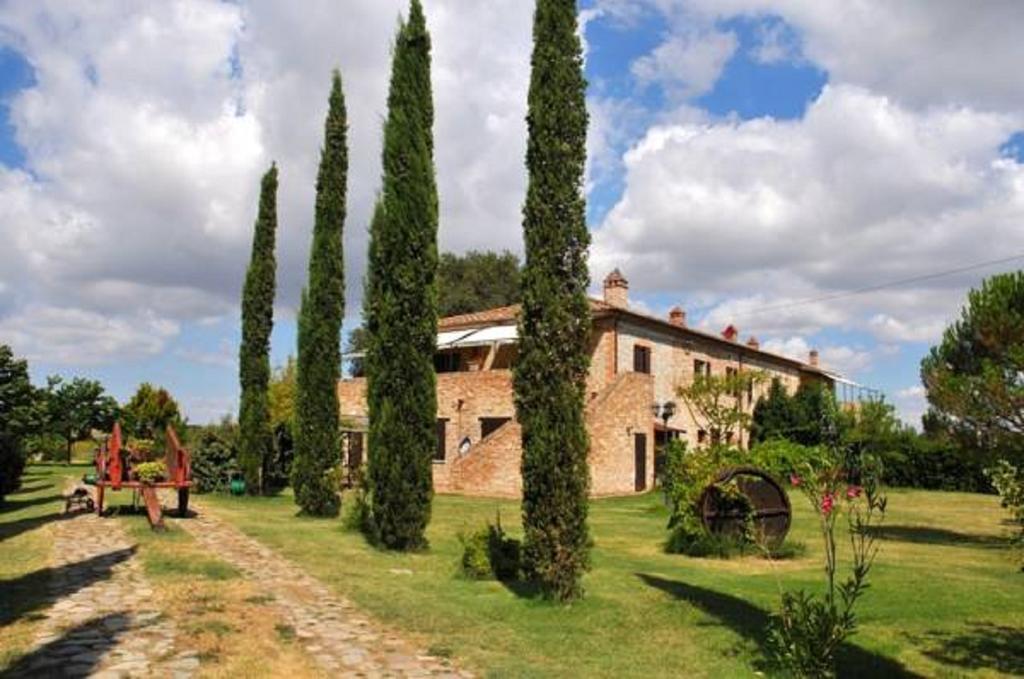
[(881, 286)]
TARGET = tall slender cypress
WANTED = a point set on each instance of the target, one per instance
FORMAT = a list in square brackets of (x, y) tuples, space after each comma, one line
[(256, 439), (554, 326), (401, 305), (317, 439)]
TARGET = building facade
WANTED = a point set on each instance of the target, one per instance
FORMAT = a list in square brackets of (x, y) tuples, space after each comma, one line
[(638, 364)]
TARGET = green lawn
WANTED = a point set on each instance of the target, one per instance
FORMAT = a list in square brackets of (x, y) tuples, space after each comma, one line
[(946, 599)]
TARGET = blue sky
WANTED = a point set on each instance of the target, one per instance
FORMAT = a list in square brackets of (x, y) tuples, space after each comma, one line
[(745, 157)]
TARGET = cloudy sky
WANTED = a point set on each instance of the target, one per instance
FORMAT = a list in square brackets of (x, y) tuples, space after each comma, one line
[(747, 157)]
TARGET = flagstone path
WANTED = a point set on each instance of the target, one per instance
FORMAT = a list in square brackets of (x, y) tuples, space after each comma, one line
[(342, 640), (100, 623)]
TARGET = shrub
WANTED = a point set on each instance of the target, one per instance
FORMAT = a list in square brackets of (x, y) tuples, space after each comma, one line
[(214, 457), (782, 458), (919, 462), (476, 562), (151, 472), (491, 552), (687, 474), (1008, 480), (46, 447), (12, 464)]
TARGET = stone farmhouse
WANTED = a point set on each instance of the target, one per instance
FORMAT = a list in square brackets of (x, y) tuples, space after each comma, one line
[(638, 362)]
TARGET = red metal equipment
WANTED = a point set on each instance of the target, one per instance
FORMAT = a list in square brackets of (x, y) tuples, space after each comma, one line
[(112, 471)]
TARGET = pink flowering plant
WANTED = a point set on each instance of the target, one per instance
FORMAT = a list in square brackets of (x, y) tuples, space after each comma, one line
[(808, 631)]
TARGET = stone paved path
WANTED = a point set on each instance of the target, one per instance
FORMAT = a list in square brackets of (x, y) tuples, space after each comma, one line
[(101, 623), (343, 641)]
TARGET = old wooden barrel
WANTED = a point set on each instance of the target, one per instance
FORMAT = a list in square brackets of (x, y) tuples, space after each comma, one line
[(757, 498)]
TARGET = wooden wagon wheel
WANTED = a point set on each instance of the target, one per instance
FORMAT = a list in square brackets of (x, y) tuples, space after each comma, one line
[(761, 501)]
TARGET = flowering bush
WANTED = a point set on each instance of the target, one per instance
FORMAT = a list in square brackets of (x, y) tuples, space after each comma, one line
[(806, 633)]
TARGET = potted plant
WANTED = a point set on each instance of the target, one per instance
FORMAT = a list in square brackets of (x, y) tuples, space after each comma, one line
[(151, 472)]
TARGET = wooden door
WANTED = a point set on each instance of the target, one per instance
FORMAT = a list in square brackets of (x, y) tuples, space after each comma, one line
[(640, 461)]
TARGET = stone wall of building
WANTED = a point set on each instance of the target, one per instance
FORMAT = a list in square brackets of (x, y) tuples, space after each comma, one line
[(463, 398), (672, 366), (619, 414)]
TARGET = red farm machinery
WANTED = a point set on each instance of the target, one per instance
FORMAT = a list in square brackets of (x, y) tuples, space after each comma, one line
[(114, 470)]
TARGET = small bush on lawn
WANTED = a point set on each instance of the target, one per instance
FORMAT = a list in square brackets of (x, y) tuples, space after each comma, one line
[(490, 552), (359, 513), (1008, 480), (214, 457)]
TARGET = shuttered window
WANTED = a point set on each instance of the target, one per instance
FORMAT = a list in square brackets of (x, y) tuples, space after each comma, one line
[(641, 359)]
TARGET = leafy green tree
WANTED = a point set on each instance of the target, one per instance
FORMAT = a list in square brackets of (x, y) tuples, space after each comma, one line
[(281, 395), (19, 417), (715, 403), (973, 377), (466, 283), (75, 408), (256, 443), (317, 438), (149, 411), (774, 415), (401, 310), (811, 405), (554, 326), (476, 281)]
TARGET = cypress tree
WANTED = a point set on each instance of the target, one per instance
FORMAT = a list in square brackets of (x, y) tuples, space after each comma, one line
[(401, 305), (554, 326), (317, 439), (255, 436)]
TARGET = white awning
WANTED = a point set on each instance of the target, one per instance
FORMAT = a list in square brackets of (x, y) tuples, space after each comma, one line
[(448, 338), (501, 334)]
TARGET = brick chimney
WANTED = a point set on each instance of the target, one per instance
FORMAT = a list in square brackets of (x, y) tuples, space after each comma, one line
[(616, 290), (731, 333), (677, 317), (812, 358), (753, 343)]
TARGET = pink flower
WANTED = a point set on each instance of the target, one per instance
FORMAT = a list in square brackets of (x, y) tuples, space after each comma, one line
[(794, 480), (826, 504), (853, 492)]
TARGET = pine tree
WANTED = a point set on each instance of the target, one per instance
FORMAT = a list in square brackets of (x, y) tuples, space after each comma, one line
[(317, 439), (774, 415), (401, 305), (255, 437), (554, 327)]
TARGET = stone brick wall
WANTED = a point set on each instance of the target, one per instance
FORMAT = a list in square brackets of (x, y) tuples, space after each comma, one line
[(490, 468), (672, 366), (462, 399), (614, 418)]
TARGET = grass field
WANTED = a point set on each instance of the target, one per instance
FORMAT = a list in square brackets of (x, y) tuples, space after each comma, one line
[(946, 599)]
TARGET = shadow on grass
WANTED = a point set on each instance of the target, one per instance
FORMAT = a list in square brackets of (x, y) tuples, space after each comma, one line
[(31, 489), (751, 622), (983, 646), (76, 653), (10, 529), (13, 504), (938, 536), (24, 595)]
